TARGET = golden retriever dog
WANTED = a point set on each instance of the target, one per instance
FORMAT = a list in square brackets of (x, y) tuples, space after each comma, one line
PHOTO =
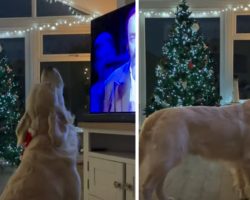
[(48, 167), (216, 133)]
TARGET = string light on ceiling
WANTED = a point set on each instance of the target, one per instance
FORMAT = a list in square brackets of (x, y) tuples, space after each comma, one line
[(215, 12), (67, 3), (79, 19)]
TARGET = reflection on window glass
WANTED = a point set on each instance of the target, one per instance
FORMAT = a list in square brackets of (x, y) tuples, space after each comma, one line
[(66, 44), (242, 67), (156, 33), (76, 77), (15, 8), (15, 51), (243, 24), (45, 8)]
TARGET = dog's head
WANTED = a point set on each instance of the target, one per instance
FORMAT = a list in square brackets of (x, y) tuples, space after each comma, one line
[(46, 112), (52, 76)]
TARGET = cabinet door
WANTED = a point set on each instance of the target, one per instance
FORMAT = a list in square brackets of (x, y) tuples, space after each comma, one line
[(106, 179), (130, 182)]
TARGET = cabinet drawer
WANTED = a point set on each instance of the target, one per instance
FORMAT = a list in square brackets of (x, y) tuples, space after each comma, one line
[(106, 179), (90, 197)]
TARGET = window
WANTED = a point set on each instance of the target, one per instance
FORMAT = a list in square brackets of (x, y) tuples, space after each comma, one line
[(69, 52), (241, 57), (242, 24), (156, 32), (76, 77), (14, 49), (66, 44), (44, 8), (15, 8), (242, 67)]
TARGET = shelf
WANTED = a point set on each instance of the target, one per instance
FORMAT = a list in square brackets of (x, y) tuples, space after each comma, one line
[(114, 156), (109, 128)]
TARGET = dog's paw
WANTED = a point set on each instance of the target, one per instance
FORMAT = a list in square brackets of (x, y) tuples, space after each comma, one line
[(171, 198)]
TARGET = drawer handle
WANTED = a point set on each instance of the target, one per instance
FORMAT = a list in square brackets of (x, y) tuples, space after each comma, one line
[(117, 185), (129, 187)]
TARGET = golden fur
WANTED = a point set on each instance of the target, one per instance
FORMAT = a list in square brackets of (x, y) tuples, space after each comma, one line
[(216, 133), (48, 167)]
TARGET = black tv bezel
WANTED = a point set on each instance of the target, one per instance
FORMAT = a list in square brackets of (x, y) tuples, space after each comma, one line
[(107, 117), (116, 117)]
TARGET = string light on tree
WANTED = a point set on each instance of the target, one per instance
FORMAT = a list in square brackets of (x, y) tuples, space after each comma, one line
[(185, 74), (9, 112)]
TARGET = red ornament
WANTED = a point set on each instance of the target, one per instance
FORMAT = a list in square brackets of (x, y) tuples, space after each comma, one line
[(190, 65)]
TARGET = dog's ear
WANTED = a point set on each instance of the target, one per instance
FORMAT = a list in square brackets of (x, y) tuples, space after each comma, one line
[(57, 126), (22, 128)]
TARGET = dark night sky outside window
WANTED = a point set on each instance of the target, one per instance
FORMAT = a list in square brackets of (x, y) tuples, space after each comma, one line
[(15, 8)]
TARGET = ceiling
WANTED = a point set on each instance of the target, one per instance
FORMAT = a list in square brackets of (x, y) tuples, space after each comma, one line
[(100, 6)]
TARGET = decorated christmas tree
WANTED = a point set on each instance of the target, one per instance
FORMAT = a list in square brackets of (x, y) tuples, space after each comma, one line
[(185, 74), (9, 112)]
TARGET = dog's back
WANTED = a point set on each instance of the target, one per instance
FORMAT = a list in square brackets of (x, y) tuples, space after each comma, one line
[(46, 172), (219, 133), (48, 167)]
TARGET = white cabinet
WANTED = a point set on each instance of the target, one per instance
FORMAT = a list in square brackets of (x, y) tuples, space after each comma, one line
[(111, 180), (130, 182), (109, 161), (106, 179)]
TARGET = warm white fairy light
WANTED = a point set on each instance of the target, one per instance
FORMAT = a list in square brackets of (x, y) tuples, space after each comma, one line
[(217, 12), (79, 19)]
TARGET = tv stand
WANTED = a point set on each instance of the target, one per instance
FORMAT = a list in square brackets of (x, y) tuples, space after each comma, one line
[(109, 161)]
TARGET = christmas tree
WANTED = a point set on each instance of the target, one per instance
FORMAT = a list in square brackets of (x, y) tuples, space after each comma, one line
[(185, 74), (9, 112)]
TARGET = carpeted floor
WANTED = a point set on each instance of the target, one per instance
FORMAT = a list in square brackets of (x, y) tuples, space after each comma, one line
[(5, 174)]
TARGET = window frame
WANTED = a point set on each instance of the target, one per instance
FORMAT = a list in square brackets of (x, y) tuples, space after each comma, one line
[(26, 57), (75, 57), (84, 29), (238, 36)]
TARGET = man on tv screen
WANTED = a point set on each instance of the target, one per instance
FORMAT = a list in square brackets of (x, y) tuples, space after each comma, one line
[(105, 53), (119, 92)]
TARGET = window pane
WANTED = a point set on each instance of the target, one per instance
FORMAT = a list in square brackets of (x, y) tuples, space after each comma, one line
[(65, 44), (76, 79), (242, 67), (15, 8), (44, 8), (15, 51), (157, 31), (243, 24)]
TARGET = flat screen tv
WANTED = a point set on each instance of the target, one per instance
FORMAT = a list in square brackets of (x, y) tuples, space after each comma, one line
[(112, 89)]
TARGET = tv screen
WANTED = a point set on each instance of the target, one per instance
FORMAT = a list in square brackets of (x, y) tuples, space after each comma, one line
[(112, 89)]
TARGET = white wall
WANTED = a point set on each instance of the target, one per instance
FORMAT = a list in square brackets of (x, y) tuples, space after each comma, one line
[(100, 6), (121, 3)]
